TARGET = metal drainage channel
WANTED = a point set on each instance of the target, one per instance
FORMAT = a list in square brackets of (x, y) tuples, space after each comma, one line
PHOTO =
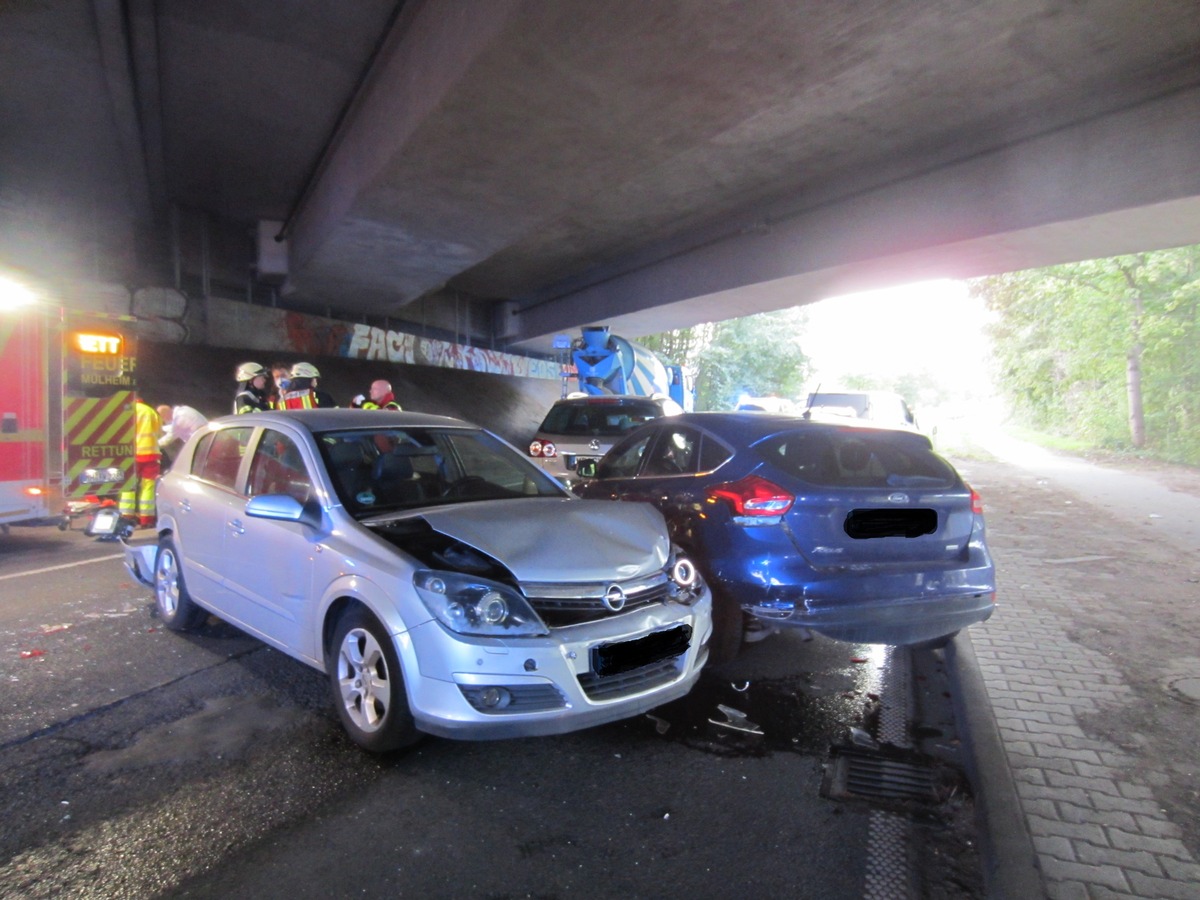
[(889, 867)]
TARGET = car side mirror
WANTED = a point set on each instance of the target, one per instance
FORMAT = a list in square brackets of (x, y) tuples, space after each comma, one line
[(282, 508), (586, 468)]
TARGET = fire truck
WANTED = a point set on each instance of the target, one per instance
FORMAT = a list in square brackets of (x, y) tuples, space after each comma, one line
[(67, 422)]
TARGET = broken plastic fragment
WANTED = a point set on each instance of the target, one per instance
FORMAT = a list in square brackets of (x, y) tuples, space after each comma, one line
[(862, 739), (30, 654), (662, 726), (735, 720)]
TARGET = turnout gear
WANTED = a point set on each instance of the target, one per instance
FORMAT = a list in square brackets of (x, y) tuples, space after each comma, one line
[(253, 395), (302, 390)]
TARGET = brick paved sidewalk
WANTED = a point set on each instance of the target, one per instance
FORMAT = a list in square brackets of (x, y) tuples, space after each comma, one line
[(1089, 805)]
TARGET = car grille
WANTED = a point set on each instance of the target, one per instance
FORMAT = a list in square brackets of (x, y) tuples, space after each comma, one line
[(571, 604), (646, 678)]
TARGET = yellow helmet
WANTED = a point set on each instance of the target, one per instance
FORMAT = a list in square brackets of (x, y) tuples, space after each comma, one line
[(305, 370), (248, 371)]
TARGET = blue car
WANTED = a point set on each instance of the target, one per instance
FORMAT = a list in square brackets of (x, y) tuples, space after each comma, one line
[(858, 533)]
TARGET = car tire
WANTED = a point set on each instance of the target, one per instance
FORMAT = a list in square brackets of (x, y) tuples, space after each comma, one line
[(175, 605), (728, 626), (367, 684)]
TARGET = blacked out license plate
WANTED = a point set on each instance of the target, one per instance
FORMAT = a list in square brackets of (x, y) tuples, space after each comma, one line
[(613, 659)]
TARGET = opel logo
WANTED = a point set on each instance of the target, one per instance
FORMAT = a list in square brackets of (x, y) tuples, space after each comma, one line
[(594, 445), (898, 498), (614, 598)]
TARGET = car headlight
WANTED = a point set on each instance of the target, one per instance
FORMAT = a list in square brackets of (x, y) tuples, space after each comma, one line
[(686, 583), (476, 606)]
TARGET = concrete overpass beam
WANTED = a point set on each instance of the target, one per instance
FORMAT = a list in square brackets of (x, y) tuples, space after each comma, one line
[(1120, 183), (428, 52)]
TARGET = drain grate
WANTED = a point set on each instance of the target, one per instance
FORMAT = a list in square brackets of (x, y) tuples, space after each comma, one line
[(880, 777)]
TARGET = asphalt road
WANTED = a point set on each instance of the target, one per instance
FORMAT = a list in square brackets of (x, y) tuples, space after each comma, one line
[(137, 762)]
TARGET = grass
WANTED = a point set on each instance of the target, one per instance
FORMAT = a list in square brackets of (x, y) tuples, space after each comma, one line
[(1051, 441)]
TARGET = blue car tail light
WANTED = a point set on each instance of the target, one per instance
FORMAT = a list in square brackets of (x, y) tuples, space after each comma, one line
[(753, 496)]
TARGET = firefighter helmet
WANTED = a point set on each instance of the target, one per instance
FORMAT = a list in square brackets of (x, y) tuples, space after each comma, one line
[(248, 371), (305, 370)]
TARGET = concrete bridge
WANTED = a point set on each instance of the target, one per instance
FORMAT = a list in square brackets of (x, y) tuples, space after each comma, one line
[(496, 172)]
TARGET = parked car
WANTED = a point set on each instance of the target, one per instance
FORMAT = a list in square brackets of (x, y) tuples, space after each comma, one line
[(857, 533), (443, 582), (585, 427), (881, 408)]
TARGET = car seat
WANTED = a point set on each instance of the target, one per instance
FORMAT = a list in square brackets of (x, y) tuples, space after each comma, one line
[(394, 480), (349, 466)]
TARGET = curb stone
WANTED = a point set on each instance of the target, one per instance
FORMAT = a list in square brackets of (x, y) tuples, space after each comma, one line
[(1010, 863)]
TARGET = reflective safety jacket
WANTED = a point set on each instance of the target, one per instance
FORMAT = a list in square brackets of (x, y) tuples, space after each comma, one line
[(389, 402), (305, 399), (148, 426)]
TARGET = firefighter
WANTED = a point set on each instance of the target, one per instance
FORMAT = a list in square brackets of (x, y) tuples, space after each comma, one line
[(252, 395), (302, 392), (138, 504), (381, 397)]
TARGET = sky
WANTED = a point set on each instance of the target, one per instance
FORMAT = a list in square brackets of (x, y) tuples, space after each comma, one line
[(932, 326)]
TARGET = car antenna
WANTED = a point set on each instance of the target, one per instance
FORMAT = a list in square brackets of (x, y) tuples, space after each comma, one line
[(812, 395)]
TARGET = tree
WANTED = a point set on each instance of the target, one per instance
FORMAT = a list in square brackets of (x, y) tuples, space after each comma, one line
[(758, 355), (1104, 349)]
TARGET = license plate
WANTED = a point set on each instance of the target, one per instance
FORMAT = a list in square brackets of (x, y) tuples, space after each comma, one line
[(613, 659)]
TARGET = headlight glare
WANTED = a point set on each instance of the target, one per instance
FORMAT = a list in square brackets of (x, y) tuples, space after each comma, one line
[(686, 583), (683, 573)]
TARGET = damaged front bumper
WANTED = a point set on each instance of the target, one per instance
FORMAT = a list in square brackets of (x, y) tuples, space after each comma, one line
[(140, 556)]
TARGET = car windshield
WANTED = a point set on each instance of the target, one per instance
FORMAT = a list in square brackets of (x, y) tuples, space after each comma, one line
[(380, 470), (854, 457), (599, 418)]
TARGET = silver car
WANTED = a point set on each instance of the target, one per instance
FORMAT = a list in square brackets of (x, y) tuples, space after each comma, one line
[(440, 579), (583, 427)]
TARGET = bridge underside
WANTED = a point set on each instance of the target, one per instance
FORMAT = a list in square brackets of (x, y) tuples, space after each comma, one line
[(513, 169)]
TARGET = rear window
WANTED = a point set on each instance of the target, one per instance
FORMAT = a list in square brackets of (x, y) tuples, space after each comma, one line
[(606, 418), (856, 458), (849, 404)]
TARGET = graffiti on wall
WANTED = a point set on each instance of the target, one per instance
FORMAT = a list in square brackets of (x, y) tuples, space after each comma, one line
[(386, 345)]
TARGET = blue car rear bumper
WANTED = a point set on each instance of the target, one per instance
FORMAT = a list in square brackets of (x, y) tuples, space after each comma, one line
[(896, 608)]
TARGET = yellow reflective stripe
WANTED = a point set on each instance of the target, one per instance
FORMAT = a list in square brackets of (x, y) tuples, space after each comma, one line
[(118, 425), (92, 414)]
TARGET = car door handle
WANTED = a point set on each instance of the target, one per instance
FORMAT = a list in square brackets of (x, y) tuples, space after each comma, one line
[(237, 527), (185, 505)]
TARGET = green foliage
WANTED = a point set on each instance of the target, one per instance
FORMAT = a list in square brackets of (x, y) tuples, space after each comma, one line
[(1065, 336), (758, 355)]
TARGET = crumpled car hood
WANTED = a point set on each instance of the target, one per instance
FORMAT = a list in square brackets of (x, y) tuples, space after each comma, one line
[(547, 539)]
